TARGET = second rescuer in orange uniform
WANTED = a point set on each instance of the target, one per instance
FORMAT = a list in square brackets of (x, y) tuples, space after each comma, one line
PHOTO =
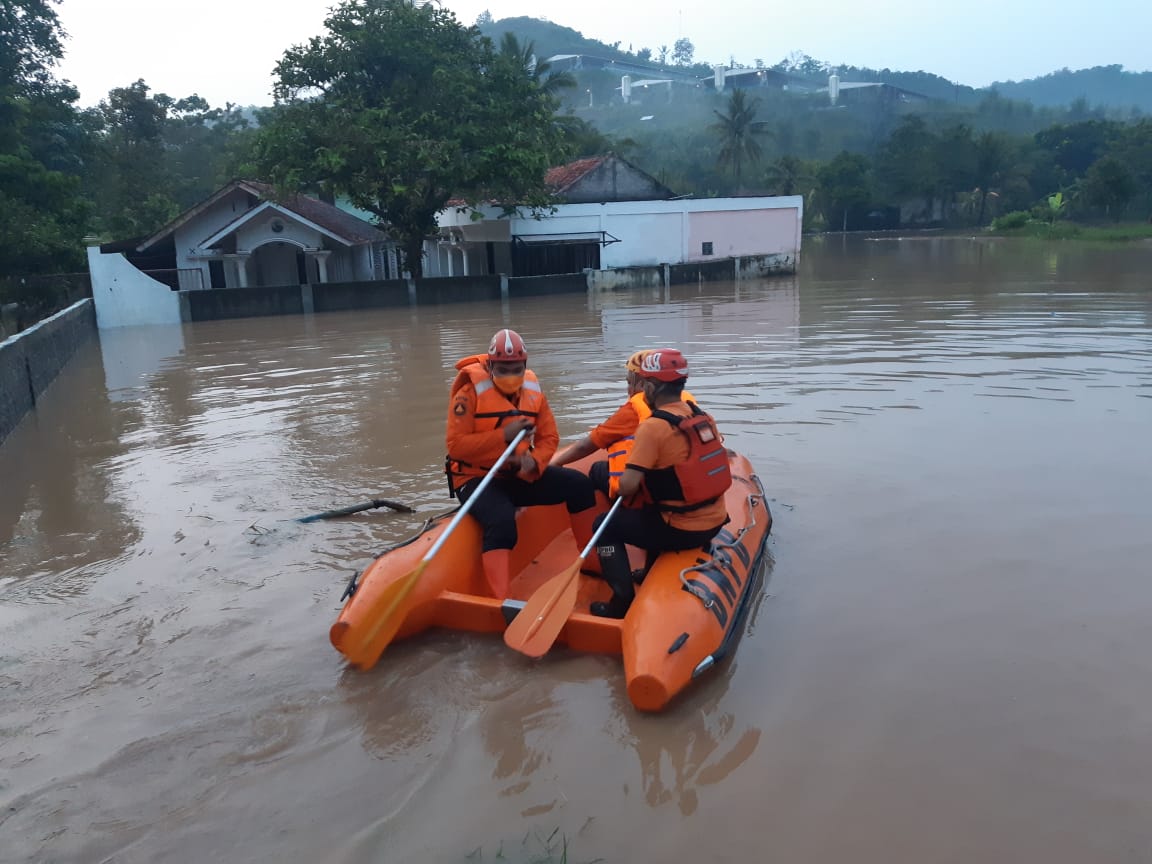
[(675, 479), (616, 435)]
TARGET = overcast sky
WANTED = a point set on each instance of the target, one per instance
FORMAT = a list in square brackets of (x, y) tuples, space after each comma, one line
[(225, 49)]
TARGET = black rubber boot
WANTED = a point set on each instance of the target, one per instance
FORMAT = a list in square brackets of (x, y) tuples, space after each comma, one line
[(617, 573)]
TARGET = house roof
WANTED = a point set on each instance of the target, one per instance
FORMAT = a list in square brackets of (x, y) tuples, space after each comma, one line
[(557, 179), (328, 216), (344, 226), (563, 177), (250, 214)]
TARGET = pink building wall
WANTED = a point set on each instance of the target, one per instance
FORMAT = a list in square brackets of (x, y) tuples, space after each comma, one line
[(742, 232)]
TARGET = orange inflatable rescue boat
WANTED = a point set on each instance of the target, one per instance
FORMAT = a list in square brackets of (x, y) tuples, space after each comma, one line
[(687, 616)]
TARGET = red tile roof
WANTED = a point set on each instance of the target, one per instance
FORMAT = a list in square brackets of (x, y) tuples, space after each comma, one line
[(556, 179), (563, 176)]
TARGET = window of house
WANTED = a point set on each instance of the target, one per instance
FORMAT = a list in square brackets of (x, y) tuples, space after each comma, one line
[(706, 248)]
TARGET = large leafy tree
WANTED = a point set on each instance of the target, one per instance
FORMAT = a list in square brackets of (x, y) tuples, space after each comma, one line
[(683, 51), (42, 145), (907, 165), (845, 186), (994, 161), (401, 108), (159, 155), (131, 185), (1108, 185)]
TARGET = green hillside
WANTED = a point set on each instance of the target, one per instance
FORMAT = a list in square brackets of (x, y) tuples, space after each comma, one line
[(1110, 86), (550, 39)]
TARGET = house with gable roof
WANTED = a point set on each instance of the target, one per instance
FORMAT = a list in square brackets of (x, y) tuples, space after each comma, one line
[(242, 236)]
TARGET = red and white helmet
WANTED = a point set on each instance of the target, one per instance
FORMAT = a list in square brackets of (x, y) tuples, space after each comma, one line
[(663, 364), (507, 346)]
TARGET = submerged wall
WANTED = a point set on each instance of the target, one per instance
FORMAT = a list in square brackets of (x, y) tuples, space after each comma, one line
[(125, 297), (31, 360)]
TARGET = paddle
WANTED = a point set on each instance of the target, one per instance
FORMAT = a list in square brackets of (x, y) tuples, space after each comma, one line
[(391, 599), (357, 508), (538, 624)]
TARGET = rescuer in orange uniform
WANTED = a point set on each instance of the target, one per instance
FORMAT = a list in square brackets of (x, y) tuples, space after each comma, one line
[(493, 397), (675, 478), (615, 435)]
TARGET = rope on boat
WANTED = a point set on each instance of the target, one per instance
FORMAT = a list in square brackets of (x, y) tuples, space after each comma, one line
[(720, 551)]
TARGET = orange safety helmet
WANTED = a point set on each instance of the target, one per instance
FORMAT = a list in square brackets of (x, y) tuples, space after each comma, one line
[(663, 364), (507, 346)]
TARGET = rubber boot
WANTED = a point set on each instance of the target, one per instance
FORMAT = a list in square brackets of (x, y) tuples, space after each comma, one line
[(618, 574), (497, 571), (582, 531)]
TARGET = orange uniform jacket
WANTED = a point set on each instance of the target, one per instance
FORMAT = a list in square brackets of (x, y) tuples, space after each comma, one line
[(617, 435), (476, 442)]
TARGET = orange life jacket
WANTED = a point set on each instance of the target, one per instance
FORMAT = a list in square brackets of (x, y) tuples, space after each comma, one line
[(493, 408), (619, 451), (701, 478)]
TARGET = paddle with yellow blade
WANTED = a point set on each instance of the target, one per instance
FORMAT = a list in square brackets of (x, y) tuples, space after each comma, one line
[(367, 651), (538, 624)]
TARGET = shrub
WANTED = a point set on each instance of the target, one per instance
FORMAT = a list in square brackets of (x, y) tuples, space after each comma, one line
[(1011, 221)]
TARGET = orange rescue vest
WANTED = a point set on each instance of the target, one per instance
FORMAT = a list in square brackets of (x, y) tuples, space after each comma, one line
[(701, 478), (619, 451), (493, 408)]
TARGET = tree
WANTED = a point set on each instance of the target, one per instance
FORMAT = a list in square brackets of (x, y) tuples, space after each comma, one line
[(954, 154), (43, 142), (1108, 184), (523, 58), (737, 130), (644, 55), (993, 160), (31, 43), (906, 167), (662, 54), (402, 108), (1074, 147), (683, 51), (844, 186), (484, 18), (787, 176), (132, 185), (582, 139)]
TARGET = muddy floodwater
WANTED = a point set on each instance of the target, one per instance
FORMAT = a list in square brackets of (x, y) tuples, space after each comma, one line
[(951, 660)]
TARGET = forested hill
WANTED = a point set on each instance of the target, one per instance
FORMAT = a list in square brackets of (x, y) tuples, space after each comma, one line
[(1100, 85), (549, 39)]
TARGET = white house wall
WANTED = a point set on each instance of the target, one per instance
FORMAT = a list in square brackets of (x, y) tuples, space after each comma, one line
[(665, 232), (256, 231), (190, 235), (645, 239)]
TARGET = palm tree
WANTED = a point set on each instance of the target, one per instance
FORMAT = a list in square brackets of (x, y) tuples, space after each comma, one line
[(737, 130), (787, 175), (540, 71), (993, 161)]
